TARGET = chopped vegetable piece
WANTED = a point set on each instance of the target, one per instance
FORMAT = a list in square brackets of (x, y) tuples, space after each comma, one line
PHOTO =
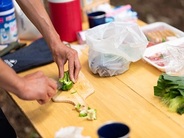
[(83, 113), (86, 112), (73, 92), (163, 40), (78, 107), (91, 114), (65, 82)]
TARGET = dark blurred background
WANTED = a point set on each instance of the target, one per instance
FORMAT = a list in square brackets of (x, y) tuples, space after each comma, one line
[(168, 11)]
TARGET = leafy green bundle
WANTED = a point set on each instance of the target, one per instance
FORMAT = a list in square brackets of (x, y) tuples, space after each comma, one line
[(171, 91)]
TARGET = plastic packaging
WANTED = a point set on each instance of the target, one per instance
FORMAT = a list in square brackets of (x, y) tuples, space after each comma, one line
[(26, 29), (113, 46), (8, 24), (167, 57)]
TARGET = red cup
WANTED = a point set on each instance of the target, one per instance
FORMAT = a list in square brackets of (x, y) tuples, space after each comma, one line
[(66, 18)]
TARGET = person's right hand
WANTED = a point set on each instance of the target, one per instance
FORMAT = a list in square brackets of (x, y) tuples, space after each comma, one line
[(37, 86)]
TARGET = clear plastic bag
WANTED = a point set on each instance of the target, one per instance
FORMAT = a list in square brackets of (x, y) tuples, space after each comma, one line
[(113, 46), (174, 60), (26, 29)]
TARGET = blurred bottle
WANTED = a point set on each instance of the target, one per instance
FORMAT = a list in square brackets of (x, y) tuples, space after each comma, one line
[(8, 23)]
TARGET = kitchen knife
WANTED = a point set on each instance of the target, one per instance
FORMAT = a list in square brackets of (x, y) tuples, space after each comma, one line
[(10, 47), (59, 85)]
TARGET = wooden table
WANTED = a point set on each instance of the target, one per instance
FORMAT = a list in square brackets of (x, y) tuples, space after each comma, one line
[(127, 98)]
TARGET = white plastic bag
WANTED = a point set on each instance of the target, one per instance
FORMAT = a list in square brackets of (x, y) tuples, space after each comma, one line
[(70, 132), (26, 29), (173, 57), (113, 46)]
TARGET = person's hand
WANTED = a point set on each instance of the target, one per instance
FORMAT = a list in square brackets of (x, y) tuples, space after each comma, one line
[(36, 12), (61, 55), (37, 86)]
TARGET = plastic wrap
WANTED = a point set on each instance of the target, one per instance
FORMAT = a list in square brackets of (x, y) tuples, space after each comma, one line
[(113, 46)]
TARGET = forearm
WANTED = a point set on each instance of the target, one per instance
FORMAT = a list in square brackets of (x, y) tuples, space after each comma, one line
[(9, 80), (36, 12), (35, 86)]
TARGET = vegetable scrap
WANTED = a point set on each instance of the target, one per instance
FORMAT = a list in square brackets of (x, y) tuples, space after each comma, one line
[(171, 91), (73, 92), (65, 82), (86, 112)]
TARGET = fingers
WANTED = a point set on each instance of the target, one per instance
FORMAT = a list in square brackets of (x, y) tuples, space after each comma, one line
[(77, 69), (61, 70), (34, 75), (38, 87), (51, 88), (50, 93), (60, 61), (74, 67), (52, 83), (41, 102), (70, 55)]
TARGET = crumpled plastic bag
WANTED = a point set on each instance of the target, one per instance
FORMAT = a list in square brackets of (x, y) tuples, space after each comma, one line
[(70, 132), (113, 46), (173, 58), (26, 29)]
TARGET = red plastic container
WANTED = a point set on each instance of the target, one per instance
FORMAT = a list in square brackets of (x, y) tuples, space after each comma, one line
[(66, 18)]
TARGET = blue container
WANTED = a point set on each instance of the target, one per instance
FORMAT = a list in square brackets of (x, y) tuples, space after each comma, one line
[(114, 130), (8, 25)]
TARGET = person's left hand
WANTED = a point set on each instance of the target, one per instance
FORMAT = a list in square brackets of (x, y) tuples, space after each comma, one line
[(61, 55)]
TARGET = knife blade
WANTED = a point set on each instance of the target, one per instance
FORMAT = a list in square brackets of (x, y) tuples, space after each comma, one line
[(59, 85)]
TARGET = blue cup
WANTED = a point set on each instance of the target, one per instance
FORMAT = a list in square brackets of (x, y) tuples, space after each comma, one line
[(97, 18), (114, 130)]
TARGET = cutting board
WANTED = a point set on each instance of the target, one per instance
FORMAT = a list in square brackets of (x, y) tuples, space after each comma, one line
[(79, 92)]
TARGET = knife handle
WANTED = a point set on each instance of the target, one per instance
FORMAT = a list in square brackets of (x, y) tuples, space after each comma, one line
[(10, 47)]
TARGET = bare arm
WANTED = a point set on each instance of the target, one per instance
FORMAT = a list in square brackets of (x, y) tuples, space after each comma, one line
[(35, 86), (9, 80), (36, 12)]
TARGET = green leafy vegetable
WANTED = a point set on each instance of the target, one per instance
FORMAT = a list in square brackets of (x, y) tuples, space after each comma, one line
[(66, 83), (171, 91)]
